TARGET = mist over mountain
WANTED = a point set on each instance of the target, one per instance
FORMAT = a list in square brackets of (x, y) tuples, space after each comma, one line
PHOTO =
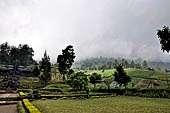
[(108, 28), (98, 63)]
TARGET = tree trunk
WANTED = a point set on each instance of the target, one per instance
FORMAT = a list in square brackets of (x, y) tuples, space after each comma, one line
[(94, 86)]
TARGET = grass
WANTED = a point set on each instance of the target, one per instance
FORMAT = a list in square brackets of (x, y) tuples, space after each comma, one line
[(120, 104), (108, 72), (28, 82), (20, 108)]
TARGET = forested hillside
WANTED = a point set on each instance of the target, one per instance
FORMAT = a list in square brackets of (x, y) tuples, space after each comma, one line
[(109, 63)]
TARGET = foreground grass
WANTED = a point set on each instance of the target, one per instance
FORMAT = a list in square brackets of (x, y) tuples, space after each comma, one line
[(20, 108), (105, 105)]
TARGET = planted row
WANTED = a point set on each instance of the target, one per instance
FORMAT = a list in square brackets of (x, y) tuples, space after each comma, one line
[(22, 94), (30, 107)]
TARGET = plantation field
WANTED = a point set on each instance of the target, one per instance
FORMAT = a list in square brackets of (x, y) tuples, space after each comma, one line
[(137, 75), (119, 104)]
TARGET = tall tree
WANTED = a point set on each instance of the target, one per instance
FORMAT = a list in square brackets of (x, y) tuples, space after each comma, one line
[(21, 55), (116, 63), (164, 38), (145, 64), (45, 68), (95, 78), (65, 61), (26, 54), (4, 53), (120, 76), (132, 64)]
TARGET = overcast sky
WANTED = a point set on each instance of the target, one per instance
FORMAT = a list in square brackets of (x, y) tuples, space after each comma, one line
[(109, 28)]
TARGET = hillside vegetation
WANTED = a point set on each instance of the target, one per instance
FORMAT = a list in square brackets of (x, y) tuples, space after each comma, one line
[(160, 78)]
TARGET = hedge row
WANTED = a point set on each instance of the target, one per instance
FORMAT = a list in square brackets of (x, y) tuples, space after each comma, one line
[(30, 107), (21, 94), (155, 93)]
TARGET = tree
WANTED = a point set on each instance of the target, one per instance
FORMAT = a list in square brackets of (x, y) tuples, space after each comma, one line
[(145, 64), (25, 54), (116, 63), (14, 56), (45, 68), (95, 78), (121, 77), (108, 81), (132, 64), (36, 70), (78, 81), (164, 38), (65, 61), (21, 55), (4, 53)]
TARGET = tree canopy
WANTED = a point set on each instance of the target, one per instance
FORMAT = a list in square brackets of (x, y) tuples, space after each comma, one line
[(45, 68), (65, 61), (164, 38), (11, 55), (121, 77), (95, 78), (78, 81)]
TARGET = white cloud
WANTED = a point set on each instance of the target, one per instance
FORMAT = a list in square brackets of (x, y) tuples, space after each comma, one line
[(94, 27)]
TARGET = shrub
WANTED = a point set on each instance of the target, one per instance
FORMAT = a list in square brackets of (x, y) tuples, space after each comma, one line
[(21, 94), (30, 107)]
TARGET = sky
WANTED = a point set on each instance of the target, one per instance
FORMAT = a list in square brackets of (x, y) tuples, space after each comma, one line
[(108, 28)]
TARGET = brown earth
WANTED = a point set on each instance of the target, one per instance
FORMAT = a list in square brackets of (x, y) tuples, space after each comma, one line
[(8, 108), (12, 108), (145, 83)]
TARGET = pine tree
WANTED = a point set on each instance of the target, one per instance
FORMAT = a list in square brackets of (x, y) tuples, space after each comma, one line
[(45, 67), (121, 77)]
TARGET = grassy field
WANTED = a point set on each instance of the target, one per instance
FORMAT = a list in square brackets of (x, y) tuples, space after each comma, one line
[(118, 104), (138, 73)]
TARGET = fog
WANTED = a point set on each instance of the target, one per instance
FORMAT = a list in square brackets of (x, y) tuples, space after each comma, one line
[(109, 28)]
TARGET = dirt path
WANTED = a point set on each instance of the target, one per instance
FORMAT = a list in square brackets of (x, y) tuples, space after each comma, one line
[(8, 108)]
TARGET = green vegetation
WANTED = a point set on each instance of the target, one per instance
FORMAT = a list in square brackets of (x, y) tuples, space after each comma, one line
[(95, 78), (106, 73), (118, 104), (65, 61), (164, 37), (30, 107), (45, 68), (121, 77), (29, 82), (136, 75), (78, 81), (20, 108), (21, 55)]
